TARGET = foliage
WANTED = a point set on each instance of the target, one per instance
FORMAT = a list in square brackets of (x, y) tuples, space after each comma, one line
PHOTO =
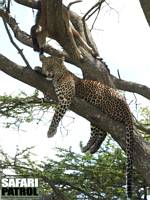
[(77, 176), (16, 110), (145, 113), (143, 124)]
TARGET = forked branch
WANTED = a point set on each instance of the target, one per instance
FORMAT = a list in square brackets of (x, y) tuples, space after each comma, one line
[(92, 10)]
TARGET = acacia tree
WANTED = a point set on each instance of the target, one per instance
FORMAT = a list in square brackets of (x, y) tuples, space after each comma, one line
[(76, 176), (92, 68)]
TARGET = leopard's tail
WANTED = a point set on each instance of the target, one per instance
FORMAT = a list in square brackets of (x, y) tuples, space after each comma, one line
[(129, 163)]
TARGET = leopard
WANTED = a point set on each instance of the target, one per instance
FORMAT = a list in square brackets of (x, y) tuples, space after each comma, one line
[(108, 100)]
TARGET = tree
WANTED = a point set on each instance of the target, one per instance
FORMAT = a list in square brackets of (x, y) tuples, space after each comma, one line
[(75, 176), (91, 70)]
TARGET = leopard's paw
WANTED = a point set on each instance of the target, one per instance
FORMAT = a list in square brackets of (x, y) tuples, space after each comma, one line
[(51, 132), (84, 149)]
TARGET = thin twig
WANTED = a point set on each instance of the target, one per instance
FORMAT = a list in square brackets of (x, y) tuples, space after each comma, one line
[(93, 12), (95, 19), (112, 9), (136, 103), (97, 5), (70, 4), (20, 51), (118, 74), (8, 6)]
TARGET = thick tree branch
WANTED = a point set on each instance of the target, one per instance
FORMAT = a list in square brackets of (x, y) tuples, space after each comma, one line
[(132, 87), (141, 149), (25, 74), (28, 3)]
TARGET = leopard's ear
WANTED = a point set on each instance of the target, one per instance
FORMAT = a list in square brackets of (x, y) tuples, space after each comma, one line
[(61, 59), (45, 59), (42, 58)]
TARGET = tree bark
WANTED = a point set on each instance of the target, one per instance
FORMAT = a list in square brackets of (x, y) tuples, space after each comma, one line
[(145, 4), (91, 67)]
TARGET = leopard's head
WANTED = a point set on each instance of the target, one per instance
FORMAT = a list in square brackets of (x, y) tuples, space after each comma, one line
[(52, 67)]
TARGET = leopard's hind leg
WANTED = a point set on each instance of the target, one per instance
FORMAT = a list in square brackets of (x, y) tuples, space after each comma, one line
[(95, 141)]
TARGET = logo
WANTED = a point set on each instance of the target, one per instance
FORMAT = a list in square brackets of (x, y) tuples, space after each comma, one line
[(19, 187)]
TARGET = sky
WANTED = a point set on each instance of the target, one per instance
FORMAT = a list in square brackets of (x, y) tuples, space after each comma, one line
[(122, 36)]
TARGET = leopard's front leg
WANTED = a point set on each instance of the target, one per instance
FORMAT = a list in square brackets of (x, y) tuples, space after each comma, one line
[(65, 94)]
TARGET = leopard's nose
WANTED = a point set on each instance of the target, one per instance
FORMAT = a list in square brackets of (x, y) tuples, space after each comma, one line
[(50, 74)]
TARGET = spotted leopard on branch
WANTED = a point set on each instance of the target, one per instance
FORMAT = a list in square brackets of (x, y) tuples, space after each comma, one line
[(107, 99)]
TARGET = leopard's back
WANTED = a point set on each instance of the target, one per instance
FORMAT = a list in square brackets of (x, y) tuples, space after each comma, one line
[(105, 98)]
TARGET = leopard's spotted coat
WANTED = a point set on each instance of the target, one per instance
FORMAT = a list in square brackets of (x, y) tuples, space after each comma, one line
[(107, 99)]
